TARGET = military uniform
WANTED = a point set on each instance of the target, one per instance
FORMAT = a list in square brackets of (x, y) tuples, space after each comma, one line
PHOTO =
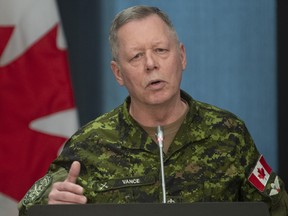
[(212, 158)]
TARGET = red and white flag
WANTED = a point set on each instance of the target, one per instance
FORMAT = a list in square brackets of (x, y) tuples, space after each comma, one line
[(260, 174), (37, 110)]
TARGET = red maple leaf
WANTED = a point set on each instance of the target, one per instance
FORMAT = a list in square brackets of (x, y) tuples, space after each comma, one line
[(261, 173), (34, 85)]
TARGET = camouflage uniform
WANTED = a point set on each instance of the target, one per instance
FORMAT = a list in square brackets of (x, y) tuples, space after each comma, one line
[(210, 159)]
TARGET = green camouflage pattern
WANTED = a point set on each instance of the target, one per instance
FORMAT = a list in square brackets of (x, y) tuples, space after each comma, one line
[(210, 159)]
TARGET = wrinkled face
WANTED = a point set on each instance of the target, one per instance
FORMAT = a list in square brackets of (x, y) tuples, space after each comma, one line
[(150, 61)]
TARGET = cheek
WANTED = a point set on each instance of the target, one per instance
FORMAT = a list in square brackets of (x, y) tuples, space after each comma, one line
[(176, 69), (132, 79)]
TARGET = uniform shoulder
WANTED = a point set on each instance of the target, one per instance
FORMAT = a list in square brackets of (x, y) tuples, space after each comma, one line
[(212, 109), (215, 116), (211, 116), (105, 121)]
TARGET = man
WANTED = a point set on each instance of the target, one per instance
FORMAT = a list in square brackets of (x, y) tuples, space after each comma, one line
[(209, 154)]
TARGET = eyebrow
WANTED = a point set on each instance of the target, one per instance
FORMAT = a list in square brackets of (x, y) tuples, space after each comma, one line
[(154, 43)]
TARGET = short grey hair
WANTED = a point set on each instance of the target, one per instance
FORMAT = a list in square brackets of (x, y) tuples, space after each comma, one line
[(134, 13)]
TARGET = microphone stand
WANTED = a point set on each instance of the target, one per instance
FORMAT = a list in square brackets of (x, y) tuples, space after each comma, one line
[(160, 143)]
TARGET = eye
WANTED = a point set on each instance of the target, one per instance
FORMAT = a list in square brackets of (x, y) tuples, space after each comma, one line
[(161, 50), (137, 56)]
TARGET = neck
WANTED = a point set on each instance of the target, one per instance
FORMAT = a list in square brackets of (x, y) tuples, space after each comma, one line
[(154, 115)]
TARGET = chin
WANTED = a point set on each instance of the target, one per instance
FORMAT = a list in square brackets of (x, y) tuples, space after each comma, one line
[(159, 100)]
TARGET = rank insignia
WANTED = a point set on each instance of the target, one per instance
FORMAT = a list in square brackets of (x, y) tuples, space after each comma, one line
[(37, 190), (275, 187)]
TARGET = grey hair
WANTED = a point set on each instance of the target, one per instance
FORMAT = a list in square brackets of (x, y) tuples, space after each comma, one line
[(134, 13)]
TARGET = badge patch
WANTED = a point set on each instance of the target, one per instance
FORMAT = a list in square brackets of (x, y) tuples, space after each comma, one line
[(275, 187), (260, 174), (37, 190)]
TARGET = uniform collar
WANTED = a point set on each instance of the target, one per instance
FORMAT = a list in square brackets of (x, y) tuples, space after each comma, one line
[(133, 136)]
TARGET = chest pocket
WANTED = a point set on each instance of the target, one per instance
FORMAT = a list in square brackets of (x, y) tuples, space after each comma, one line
[(123, 190)]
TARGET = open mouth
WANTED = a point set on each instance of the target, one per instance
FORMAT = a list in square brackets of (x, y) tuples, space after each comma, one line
[(155, 82)]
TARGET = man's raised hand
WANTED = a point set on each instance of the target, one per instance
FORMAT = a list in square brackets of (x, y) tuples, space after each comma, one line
[(68, 192)]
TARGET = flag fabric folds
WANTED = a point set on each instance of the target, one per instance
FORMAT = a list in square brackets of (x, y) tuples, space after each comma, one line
[(37, 110)]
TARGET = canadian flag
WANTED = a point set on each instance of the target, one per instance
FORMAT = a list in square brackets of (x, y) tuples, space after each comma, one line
[(37, 110), (260, 174)]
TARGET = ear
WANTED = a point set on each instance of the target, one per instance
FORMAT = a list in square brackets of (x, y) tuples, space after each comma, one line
[(183, 56), (115, 67)]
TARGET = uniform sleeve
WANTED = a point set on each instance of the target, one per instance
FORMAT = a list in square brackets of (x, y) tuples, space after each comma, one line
[(38, 193), (260, 183), (58, 171), (273, 194), (280, 207)]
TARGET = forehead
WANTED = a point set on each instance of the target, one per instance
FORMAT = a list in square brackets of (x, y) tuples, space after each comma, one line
[(142, 30)]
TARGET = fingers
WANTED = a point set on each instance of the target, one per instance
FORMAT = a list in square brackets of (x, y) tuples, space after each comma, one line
[(69, 187), (73, 172), (68, 192)]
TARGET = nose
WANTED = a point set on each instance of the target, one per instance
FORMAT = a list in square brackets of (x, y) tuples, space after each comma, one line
[(151, 61)]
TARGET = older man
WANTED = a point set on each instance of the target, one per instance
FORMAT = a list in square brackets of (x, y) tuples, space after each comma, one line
[(208, 153)]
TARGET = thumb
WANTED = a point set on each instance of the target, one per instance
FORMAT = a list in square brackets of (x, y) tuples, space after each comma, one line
[(73, 172)]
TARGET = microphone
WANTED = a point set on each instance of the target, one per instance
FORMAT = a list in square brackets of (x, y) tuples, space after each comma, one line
[(159, 135)]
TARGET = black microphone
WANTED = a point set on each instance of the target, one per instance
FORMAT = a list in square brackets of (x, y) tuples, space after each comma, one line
[(159, 135)]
